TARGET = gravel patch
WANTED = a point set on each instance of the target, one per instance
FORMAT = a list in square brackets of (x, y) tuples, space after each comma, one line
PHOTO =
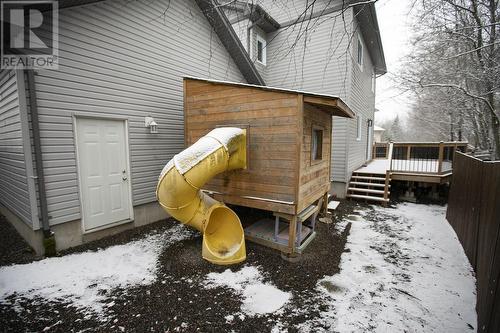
[(178, 299), (13, 248)]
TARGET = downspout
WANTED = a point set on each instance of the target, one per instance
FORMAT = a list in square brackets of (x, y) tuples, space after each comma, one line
[(179, 192), (49, 240)]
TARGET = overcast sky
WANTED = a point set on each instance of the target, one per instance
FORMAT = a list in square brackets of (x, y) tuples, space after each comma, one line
[(393, 22)]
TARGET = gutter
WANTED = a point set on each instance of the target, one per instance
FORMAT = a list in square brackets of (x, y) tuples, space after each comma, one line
[(49, 241)]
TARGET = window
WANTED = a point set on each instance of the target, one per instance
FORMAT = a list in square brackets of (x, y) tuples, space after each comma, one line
[(358, 129), (360, 53), (317, 144), (261, 50)]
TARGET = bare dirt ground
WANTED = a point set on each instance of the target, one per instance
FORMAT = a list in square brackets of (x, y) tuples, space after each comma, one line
[(13, 248)]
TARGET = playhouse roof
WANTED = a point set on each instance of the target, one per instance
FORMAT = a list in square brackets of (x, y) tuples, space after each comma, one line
[(328, 103)]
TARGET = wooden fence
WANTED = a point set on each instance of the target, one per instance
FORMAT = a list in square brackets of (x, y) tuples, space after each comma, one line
[(474, 213)]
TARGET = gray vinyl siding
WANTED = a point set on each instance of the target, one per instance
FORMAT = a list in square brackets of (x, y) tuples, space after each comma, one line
[(340, 128), (241, 29), (290, 10), (322, 68), (128, 61), (325, 67), (14, 191), (362, 102)]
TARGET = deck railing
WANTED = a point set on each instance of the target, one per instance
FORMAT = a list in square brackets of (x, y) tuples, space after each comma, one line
[(380, 150), (424, 157)]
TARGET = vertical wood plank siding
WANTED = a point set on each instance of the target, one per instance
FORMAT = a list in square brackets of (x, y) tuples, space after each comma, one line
[(123, 59), (271, 118), (14, 192), (314, 175)]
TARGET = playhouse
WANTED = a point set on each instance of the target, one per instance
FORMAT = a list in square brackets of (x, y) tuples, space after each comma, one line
[(288, 138)]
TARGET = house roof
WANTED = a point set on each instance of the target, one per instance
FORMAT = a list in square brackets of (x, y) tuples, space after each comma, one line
[(367, 18), (230, 40), (254, 13), (328, 103), (364, 12), (378, 128)]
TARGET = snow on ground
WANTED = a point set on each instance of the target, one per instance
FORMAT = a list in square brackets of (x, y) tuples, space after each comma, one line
[(258, 297), (405, 270), (83, 278), (376, 166)]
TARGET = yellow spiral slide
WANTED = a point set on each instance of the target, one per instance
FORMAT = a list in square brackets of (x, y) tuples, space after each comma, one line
[(179, 192)]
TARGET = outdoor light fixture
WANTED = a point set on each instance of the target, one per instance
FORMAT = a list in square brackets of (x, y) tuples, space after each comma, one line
[(370, 123), (151, 123)]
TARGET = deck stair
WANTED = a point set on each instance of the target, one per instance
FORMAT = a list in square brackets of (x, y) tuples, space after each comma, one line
[(370, 187)]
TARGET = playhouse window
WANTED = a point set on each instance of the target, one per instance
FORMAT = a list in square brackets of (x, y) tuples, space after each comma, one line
[(317, 144)]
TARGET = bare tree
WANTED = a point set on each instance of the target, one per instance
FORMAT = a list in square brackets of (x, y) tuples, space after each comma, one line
[(454, 71)]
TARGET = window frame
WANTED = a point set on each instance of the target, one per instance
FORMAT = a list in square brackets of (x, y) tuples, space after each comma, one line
[(360, 53), (247, 135), (359, 123), (315, 128), (263, 41)]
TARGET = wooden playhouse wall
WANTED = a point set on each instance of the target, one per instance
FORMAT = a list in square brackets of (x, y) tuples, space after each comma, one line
[(314, 175), (273, 129)]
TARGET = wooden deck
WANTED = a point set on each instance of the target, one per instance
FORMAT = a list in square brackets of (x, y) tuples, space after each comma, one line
[(414, 161), (425, 162)]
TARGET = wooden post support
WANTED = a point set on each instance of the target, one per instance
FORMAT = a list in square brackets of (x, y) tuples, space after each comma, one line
[(386, 187), (324, 203), (408, 152), (440, 158), (292, 234)]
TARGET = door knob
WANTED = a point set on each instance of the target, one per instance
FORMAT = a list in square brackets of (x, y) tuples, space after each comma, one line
[(124, 175)]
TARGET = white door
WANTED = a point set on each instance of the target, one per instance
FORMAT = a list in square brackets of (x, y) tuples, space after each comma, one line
[(104, 174)]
